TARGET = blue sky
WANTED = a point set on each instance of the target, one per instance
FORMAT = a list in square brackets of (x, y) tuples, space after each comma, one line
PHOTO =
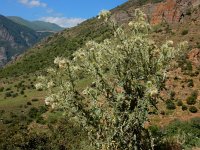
[(66, 13)]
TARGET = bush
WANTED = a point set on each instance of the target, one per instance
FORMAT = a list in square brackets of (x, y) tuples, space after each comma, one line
[(172, 94), (187, 129), (195, 122), (184, 32), (40, 120), (8, 94), (139, 80), (162, 112), (28, 103), (33, 113), (188, 66), (190, 83), (196, 73), (7, 121), (156, 132), (198, 45), (43, 109), (1, 89), (170, 104), (185, 64), (188, 12), (193, 109), (22, 92), (157, 1), (13, 115), (8, 89), (14, 95), (2, 112), (179, 103), (35, 100), (191, 100), (184, 107)]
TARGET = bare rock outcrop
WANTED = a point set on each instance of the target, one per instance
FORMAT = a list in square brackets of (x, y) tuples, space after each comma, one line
[(172, 11), (194, 56)]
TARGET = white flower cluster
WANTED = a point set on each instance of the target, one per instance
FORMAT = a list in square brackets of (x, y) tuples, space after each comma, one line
[(51, 70), (39, 86), (170, 43), (51, 101), (131, 23), (183, 45), (104, 14), (50, 84), (152, 91), (61, 62), (41, 78), (118, 69)]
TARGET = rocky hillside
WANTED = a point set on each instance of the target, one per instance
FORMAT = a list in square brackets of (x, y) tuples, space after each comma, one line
[(15, 39), (177, 20), (170, 11), (36, 25)]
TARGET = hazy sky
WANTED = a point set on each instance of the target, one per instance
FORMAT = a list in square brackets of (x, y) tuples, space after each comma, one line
[(66, 13)]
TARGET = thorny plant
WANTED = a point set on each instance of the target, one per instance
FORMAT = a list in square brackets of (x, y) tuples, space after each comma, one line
[(128, 71)]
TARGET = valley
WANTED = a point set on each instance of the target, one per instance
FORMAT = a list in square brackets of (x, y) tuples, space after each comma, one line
[(17, 35)]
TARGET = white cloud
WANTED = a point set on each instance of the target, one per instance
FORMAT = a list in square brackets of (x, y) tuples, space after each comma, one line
[(33, 3), (55, 17), (62, 21), (49, 10)]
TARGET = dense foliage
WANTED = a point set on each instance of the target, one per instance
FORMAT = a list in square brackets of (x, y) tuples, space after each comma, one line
[(178, 135), (128, 71)]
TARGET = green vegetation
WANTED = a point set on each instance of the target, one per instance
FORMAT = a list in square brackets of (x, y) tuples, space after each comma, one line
[(190, 83), (157, 1), (23, 37), (193, 109), (128, 70), (178, 135), (179, 103), (185, 64), (1, 89), (170, 104), (16, 29), (42, 56), (29, 124), (197, 45), (184, 107), (184, 32), (172, 95), (191, 100), (36, 25)]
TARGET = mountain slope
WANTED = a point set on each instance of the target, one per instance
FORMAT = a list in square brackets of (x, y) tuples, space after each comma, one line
[(170, 18), (173, 20), (15, 39), (36, 25), (46, 26)]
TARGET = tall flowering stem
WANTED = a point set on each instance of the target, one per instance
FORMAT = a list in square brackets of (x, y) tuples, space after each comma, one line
[(127, 73)]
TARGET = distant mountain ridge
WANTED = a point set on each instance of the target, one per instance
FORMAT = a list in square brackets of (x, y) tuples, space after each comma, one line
[(170, 19), (15, 39), (36, 25)]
